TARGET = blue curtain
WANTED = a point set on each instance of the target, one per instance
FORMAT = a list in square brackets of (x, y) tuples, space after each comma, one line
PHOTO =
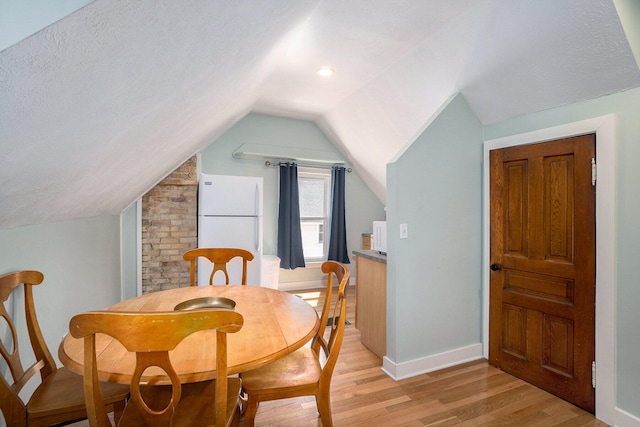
[(289, 234), (338, 236)]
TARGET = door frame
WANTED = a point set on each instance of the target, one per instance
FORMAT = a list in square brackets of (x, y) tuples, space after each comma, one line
[(605, 330)]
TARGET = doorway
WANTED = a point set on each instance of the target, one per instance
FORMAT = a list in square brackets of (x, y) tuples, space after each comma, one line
[(603, 127)]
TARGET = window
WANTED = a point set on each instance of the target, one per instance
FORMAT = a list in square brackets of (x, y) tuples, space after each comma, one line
[(314, 193)]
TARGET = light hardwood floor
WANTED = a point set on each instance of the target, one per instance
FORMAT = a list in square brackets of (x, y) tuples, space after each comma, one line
[(472, 394)]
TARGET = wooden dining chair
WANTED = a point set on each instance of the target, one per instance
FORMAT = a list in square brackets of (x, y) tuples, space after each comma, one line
[(307, 371), (151, 335), (59, 396), (219, 257)]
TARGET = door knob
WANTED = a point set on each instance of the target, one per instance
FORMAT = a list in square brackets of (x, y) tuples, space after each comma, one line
[(496, 267)]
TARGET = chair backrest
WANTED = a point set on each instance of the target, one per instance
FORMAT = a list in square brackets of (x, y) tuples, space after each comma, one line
[(331, 347), (13, 408), (219, 257), (151, 335)]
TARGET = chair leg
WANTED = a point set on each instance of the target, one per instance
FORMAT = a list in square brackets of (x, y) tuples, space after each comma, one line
[(118, 409), (235, 420), (324, 407), (250, 411)]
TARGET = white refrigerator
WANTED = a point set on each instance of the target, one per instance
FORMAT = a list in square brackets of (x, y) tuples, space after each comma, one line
[(230, 215)]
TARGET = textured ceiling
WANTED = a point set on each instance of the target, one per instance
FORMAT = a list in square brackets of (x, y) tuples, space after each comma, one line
[(98, 107)]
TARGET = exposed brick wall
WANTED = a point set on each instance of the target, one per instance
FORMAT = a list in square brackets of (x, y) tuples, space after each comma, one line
[(169, 227)]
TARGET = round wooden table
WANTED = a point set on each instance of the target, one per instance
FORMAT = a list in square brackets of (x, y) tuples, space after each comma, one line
[(275, 324)]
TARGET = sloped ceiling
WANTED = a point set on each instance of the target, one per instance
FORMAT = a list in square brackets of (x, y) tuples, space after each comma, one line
[(99, 106)]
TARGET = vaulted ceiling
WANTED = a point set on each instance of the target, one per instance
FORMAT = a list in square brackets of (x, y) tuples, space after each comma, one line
[(99, 106)]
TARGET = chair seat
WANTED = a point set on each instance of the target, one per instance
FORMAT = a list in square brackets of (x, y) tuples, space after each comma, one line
[(62, 392), (298, 369), (195, 403)]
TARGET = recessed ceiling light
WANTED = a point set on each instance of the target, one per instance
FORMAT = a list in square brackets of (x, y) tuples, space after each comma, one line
[(326, 71)]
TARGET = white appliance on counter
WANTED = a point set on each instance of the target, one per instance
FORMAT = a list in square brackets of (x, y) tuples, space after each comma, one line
[(230, 216), (379, 237)]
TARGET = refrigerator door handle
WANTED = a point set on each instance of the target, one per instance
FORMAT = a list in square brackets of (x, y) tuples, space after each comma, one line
[(258, 201), (257, 234)]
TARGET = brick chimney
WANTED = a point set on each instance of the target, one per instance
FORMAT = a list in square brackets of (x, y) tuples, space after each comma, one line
[(169, 228)]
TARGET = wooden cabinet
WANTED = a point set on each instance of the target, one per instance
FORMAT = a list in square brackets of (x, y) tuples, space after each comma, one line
[(366, 241), (371, 300)]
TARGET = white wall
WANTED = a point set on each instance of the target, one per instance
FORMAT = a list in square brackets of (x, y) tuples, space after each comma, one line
[(362, 206)]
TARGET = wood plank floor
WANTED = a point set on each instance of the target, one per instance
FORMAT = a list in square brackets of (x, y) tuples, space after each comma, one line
[(472, 394)]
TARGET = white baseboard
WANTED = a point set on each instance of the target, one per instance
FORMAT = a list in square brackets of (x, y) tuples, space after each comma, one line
[(309, 284), (295, 286), (625, 419), (400, 371)]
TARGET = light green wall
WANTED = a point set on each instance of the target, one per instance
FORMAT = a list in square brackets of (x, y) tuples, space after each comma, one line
[(362, 207), (626, 108), (434, 277), (629, 14), (20, 19), (130, 252), (80, 261)]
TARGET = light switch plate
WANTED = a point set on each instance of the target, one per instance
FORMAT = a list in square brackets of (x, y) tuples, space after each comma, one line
[(404, 231)]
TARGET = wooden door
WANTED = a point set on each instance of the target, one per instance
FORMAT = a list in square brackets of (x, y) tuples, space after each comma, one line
[(542, 280)]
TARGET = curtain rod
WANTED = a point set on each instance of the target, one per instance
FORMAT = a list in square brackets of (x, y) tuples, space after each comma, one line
[(313, 165)]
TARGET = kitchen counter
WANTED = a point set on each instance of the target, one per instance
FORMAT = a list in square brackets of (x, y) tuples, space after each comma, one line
[(371, 255), (371, 299)]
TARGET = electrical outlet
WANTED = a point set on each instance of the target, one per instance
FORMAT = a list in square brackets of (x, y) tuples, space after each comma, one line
[(404, 231)]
